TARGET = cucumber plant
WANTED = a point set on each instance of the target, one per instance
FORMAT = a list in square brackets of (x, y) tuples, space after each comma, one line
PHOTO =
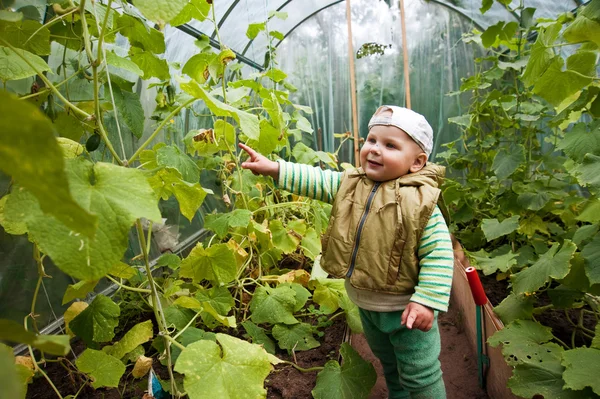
[(524, 194), (78, 204)]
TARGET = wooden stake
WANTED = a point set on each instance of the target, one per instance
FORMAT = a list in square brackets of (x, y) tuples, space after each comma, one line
[(405, 55), (352, 84)]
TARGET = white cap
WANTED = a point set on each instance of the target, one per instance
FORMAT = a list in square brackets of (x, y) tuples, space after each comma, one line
[(414, 124)]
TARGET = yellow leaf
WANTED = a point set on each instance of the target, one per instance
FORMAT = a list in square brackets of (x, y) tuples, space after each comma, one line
[(72, 312), (25, 361), (142, 366)]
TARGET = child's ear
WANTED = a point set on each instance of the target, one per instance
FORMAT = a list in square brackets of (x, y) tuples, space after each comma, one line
[(418, 163)]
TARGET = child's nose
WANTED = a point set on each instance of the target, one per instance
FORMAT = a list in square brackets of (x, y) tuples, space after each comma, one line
[(375, 148)]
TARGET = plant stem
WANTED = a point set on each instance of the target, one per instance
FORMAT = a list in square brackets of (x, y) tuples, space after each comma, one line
[(158, 129), (308, 370), (126, 287), (158, 313), (50, 23), (172, 341), (103, 29)]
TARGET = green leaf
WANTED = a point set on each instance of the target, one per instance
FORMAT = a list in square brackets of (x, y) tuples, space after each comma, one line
[(248, 122), (118, 195), (98, 321), (69, 148), (502, 31), (230, 369), (130, 110), (9, 378), (493, 264), (123, 63), (172, 156), (220, 223), (327, 294), (139, 334), (78, 290), (273, 305), (352, 314), (581, 366), (193, 334), (197, 66), (554, 264), (152, 66), (588, 172), (122, 270), (195, 9), (189, 196), (591, 253), (586, 26), (590, 212), (354, 379), (507, 161), (10, 16), (105, 370), (563, 297), (277, 75), (297, 337), (520, 339), (219, 298), (172, 261), (515, 306), (302, 294), (533, 200), (259, 336), (530, 225), (14, 226), (178, 316), (140, 35), (188, 303), (486, 5), (27, 35), (493, 229), (596, 340), (556, 85), (53, 344), (311, 244), (579, 141), (13, 65), (68, 126), (215, 263), (255, 29), (160, 11), (30, 154), (283, 238), (542, 54)]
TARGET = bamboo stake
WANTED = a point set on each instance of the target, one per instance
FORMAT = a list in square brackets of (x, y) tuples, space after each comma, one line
[(352, 84), (405, 55)]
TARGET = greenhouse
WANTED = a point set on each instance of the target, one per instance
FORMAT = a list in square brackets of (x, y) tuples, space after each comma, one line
[(300, 199)]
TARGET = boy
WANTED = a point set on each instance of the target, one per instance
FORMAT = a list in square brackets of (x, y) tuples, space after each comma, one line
[(388, 239)]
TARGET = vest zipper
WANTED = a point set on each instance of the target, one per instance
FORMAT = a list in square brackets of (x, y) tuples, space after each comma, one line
[(360, 227)]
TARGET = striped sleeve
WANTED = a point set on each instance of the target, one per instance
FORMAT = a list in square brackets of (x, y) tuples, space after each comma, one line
[(309, 181), (436, 260)]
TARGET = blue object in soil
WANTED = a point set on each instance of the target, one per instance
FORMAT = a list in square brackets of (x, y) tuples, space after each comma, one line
[(155, 388)]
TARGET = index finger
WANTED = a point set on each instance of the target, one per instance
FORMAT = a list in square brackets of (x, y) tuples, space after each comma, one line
[(410, 319), (249, 150)]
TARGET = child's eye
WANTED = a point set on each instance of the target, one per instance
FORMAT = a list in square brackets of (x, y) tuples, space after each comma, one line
[(390, 145), (371, 140)]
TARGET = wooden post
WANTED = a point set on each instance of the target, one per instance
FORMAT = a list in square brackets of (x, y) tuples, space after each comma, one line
[(352, 84), (405, 55)]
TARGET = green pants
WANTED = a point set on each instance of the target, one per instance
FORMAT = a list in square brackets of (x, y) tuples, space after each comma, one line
[(409, 357)]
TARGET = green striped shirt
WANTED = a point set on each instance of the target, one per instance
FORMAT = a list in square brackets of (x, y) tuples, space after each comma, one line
[(436, 257)]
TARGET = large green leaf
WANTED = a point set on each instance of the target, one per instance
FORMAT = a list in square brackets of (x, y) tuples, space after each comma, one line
[(190, 196), (283, 238), (30, 154), (581, 368), (502, 31), (586, 26), (541, 53), (521, 339), (140, 35), (302, 294), (130, 110), (9, 378), (588, 172), (152, 66), (327, 293), (297, 337), (78, 290), (178, 316), (311, 244), (218, 297), (354, 379), (124, 63), (248, 122), (27, 35), (554, 264), (493, 229), (197, 66), (231, 369), (195, 9), (579, 141), (515, 306), (172, 156), (118, 195), (591, 253), (534, 200), (13, 65), (139, 334), (215, 263), (492, 264), (105, 370), (221, 223), (98, 321), (160, 11), (273, 305), (507, 161), (11, 331), (352, 314), (555, 85)]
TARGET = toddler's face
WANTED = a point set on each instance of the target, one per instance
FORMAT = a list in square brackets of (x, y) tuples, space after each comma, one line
[(389, 153)]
